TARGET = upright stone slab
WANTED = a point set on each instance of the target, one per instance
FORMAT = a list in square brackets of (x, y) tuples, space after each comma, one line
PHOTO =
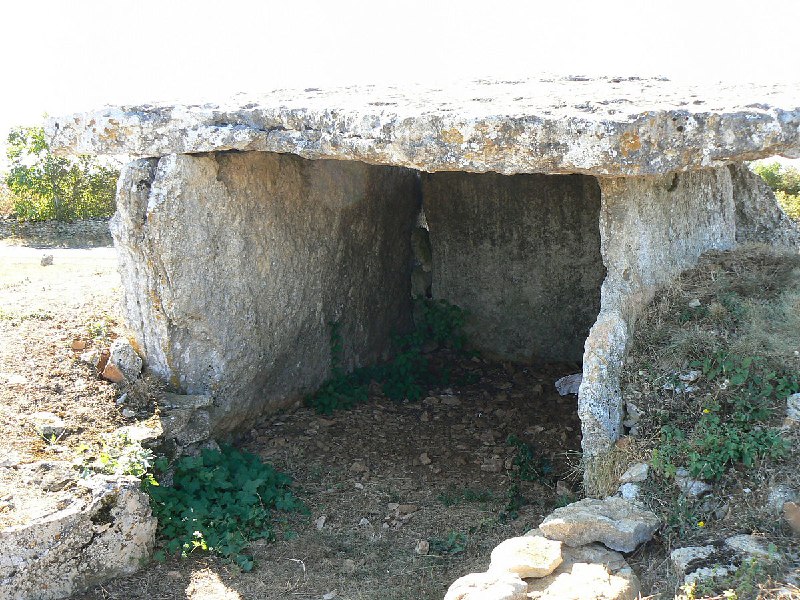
[(235, 265), (521, 254), (652, 228)]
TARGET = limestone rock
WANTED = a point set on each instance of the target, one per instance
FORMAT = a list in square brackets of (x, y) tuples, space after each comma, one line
[(588, 572), (791, 512), (682, 557), (619, 126), (47, 260), (718, 559), (630, 491), (125, 359), (635, 473), (759, 218), (793, 408), (487, 586), (108, 535), (617, 523), (749, 544), (548, 310), (186, 426), (778, 496), (526, 556), (47, 424), (693, 488), (569, 384), (301, 244)]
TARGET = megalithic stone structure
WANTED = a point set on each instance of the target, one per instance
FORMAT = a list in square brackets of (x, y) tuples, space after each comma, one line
[(554, 208)]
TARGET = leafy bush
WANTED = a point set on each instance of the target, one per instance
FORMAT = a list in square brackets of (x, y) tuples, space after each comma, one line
[(219, 502), (43, 186), (790, 204), (779, 178), (408, 374), (785, 182)]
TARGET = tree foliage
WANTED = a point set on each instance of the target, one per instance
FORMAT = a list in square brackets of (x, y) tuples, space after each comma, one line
[(44, 186), (785, 182)]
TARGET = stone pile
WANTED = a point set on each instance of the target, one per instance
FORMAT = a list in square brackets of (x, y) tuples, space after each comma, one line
[(573, 555)]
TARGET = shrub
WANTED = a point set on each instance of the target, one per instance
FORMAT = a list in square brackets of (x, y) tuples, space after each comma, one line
[(785, 182), (43, 186), (219, 502)]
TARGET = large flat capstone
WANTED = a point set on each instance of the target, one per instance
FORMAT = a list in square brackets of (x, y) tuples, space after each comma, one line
[(620, 126)]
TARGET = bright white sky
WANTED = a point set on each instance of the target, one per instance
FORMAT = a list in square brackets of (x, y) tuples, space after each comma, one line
[(60, 56)]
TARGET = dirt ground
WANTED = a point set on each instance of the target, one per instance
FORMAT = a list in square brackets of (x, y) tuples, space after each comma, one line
[(385, 476)]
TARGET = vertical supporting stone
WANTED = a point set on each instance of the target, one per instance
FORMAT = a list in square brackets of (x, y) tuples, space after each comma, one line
[(759, 217), (235, 264), (521, 254), (651, 228)]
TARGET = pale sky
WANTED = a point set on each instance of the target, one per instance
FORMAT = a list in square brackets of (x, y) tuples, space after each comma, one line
[(64, 56)]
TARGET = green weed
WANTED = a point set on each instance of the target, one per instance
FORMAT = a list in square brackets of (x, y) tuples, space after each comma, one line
[(407, 375), (454, 544), (219, 502), (731, 428)]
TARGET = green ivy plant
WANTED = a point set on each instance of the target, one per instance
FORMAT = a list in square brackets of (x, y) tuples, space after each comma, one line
[(219, 502), (408, 374)]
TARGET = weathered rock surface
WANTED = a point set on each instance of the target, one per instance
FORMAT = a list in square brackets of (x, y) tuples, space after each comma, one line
[(125, 358), (619, 524), (651, 229), (526, 556), (487, 586), (566, 125), (105, 533), (587, 573), (521, 255), (759, 218), (720, 558), (47, 424), (238, 303)]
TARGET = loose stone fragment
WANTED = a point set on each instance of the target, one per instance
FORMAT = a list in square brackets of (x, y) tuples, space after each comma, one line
[(125, 359), (587, 573), (569, 384), (635, 473), (615, 522), (487, 586), (47, 424), (526, 556)]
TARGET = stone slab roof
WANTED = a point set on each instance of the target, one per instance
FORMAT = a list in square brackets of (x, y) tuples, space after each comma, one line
[(607, 126)]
